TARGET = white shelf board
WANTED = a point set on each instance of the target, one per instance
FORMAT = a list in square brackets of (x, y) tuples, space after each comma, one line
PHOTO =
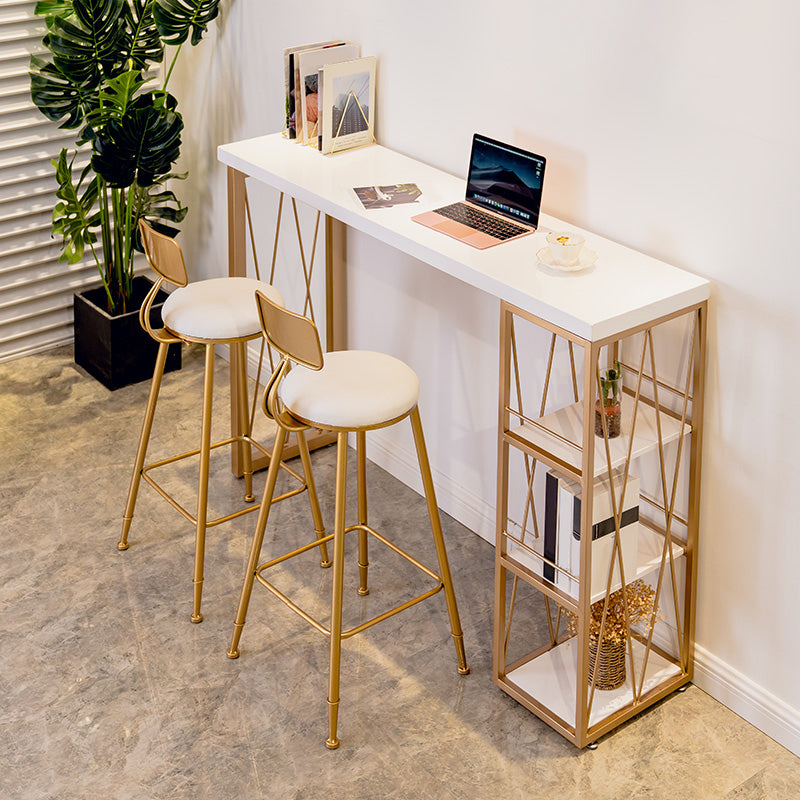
[(568, 423), (650, 548), (552, 680)]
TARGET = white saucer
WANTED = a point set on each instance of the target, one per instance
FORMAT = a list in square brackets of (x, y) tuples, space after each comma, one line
[(586, 260)]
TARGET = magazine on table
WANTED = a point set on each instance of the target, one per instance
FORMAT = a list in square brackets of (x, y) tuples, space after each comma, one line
[(387, 196), (347, 110), (289, 71), (309, 63)]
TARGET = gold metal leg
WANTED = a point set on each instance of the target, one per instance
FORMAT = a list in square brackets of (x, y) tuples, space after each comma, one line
[(244, 415), (144, 438), (316, 513), (258, 539), (335, 284), (202, 485), (363, 547), (237, 267), (438, 538), (332, 742)]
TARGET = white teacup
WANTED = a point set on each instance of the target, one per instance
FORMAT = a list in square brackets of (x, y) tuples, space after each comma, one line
[(565, 247)]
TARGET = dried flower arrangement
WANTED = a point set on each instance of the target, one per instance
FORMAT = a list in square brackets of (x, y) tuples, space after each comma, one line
[(607, 658), (640, 598)]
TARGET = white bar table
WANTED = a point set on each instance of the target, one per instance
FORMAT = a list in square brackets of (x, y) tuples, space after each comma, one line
[(625, 295)]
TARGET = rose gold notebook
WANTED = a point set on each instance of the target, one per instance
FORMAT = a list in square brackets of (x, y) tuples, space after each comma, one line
[(503, 197)]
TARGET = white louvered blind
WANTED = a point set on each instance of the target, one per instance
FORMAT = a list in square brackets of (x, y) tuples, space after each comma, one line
[(35, 288)]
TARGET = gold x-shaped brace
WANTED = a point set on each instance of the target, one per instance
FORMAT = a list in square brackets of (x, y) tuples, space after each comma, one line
[(240, 228)]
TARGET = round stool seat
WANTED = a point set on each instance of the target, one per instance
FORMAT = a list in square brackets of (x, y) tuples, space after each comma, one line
[(354, 389), (217, 308)]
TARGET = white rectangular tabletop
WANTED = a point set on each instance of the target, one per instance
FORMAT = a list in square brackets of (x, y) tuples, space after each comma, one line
[(622, 290)]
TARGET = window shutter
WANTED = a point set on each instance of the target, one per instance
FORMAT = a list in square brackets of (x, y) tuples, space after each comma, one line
[(35, 288)]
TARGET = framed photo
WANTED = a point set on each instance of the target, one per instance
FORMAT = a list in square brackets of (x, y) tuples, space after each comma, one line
[(348, 104)]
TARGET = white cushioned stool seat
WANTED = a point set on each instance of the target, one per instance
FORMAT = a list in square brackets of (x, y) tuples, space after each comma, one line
[(218, 308), (354, 389)]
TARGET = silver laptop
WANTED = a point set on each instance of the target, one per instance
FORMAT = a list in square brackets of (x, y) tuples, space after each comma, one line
[(504, 194)]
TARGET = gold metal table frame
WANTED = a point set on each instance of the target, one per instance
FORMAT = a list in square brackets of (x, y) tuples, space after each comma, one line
[(240, 228)]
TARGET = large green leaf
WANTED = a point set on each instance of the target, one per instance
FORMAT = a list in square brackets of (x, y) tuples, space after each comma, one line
[(88, 47), (142, 145), (145, 44), (159, 206), (175, 19), (54, 94), (75, 216), (49, 8), (115, 97), (64, 88)]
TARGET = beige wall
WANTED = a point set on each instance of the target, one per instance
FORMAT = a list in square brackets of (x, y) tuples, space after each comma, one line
[(673, 128)]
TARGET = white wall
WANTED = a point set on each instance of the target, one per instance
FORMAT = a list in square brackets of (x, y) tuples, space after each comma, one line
[(672, 128)]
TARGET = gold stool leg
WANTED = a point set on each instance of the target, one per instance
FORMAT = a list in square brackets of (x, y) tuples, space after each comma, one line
[(363, 552), (258, 539), (202, 486), (244, 415), (144, 438), (438, 538), (332, 742), (316, 513)]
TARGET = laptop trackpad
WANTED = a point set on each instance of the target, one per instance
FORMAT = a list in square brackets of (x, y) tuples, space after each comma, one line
[(453, 228)]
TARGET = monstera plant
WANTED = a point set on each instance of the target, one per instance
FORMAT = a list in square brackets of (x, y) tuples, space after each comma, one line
[(99, 78)]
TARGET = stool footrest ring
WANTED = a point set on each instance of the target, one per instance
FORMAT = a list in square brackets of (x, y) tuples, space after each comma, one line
[(219, 520), (346, 634)]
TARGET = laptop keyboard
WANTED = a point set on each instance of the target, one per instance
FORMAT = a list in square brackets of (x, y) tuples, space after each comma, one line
[(479, 221)]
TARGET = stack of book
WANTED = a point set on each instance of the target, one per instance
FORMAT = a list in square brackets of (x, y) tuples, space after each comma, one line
[(330, 95), (562, 537)]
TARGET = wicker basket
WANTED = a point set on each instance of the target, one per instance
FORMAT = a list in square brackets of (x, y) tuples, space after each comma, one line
[(611, 669)]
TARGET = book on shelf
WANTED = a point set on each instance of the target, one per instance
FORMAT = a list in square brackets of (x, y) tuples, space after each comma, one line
[(347, 108), (289, 78), (387, 196), (308, 64), (562, 538), (552, 499)]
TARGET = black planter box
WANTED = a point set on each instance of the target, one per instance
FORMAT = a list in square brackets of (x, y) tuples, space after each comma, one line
[(116, 350)]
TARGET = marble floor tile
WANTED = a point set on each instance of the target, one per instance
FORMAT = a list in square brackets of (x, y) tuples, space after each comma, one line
[(108, 691)]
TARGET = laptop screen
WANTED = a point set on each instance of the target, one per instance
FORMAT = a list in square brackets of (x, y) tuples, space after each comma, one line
[(505, 179)]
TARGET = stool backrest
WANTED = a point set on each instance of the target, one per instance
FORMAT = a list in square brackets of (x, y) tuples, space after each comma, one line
[(292, 335), (164, 254)]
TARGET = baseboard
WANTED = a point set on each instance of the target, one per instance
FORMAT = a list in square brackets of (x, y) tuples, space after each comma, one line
[(753, 703), (454, 499), (253, 352)]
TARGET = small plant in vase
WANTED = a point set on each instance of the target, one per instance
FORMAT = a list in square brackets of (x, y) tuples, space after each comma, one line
[(609, 404), (607, 655)]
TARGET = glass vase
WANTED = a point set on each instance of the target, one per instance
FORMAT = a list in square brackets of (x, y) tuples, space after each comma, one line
[(609, 404)]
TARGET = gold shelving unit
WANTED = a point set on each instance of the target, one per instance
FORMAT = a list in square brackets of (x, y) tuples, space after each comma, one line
[(545, 665)]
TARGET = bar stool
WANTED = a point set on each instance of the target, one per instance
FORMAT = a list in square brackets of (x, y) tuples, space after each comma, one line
[(208, 312), (345, 392)]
